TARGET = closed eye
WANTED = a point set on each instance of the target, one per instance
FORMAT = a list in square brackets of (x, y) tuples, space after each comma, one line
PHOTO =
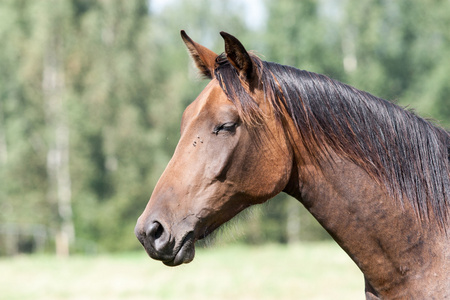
[(226, 127)]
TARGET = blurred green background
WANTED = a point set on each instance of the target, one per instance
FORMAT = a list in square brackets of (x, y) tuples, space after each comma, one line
[(91, 97), (92, 92)]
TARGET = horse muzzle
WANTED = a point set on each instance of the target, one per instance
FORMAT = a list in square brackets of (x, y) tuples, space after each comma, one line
[(162, 244)]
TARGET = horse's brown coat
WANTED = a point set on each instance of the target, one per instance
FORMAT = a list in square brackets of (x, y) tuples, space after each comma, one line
[(223, 165)]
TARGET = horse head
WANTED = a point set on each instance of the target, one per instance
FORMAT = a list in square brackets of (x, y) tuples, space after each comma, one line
[(223, 162)]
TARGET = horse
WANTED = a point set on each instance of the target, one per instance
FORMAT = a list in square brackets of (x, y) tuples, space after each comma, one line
[(375, 175)]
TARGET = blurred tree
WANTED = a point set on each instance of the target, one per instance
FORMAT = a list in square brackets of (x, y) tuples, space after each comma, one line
[(92, 92), (55, 31), (398, 50), (78, 77), (300, 34), (117, 145), (103, 81), (23, 187)]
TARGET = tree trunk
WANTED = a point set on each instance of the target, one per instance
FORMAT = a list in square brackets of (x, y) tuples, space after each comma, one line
[(58, 150), (3, 145), (293, 221), (349, 60)]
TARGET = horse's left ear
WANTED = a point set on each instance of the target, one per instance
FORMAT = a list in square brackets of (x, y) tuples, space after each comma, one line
[(238, 56), (203, 57)]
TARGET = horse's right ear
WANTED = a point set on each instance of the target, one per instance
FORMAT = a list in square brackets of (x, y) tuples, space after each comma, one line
[(203, 57)]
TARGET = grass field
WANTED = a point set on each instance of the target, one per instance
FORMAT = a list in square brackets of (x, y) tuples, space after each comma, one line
[(306, 271)]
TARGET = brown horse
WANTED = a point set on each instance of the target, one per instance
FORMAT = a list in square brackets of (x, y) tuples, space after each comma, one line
[(376, 176)]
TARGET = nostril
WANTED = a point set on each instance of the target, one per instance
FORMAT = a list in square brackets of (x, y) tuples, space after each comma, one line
[(155, 230), (156, 235)]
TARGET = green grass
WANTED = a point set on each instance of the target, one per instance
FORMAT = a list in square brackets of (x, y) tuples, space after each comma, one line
[(305, 271)]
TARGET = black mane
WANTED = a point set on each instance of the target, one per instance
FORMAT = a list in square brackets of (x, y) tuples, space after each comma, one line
[(406, 153)]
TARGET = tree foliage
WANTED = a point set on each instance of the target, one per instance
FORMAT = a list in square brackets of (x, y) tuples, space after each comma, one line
[(95, 90)]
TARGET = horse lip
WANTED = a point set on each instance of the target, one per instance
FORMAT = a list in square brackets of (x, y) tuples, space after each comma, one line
[(185, 252)]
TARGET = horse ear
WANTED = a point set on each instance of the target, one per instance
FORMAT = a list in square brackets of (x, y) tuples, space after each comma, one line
[(203, 57), (238, 56)]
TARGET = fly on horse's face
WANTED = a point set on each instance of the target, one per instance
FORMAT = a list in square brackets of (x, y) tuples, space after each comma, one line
[(218, 168)]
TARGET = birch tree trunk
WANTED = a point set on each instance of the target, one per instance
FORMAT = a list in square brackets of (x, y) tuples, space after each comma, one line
[(58, 172), (349, 60), (3, 145)]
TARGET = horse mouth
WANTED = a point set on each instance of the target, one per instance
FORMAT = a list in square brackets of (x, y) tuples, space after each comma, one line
[(185, 253)]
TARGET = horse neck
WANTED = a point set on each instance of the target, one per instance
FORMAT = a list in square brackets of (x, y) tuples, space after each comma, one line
[(382, 236)]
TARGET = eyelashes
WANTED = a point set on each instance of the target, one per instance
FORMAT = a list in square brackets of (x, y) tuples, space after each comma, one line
[(225, 127)]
